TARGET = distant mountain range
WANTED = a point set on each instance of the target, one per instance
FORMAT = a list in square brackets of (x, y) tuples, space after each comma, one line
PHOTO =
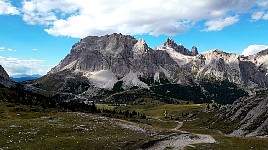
[(25, 77)]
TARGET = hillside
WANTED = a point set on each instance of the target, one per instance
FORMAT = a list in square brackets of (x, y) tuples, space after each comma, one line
[(245, 117)]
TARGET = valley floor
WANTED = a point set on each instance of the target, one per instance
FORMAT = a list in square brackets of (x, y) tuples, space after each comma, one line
[(31, 127)]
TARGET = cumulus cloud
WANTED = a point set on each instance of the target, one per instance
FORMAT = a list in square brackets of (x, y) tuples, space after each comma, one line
[(81, 18), (2, 48), (15, 66), (253, 49), (6, 8), (219, 24)]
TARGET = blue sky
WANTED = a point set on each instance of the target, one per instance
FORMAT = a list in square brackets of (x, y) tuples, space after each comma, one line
[(36, 34)]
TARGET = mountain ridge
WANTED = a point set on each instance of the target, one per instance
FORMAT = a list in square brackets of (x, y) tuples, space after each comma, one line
[(97, 64), (25, 77)]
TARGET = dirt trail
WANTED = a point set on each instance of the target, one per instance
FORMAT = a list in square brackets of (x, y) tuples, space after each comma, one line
[(177, 140), (181, 140)]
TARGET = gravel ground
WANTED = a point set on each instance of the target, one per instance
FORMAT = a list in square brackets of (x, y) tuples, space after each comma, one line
[(180, 140), (177, 142)]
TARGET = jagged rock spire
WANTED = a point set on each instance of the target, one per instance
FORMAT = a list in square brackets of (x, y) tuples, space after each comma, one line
[(194, 51), (170, 43)]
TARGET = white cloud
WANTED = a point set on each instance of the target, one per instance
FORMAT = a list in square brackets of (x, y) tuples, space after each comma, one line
[(81, 18), (6, 8), (263, 3), (2, 48), (219, 24), (259, 15), (44, 11), (16, 66), (253, 49), (11, 50), (261, 12), (34, 49)]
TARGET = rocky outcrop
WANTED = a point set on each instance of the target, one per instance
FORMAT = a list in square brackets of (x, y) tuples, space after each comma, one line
[(245, 117), (3, 74), (4, 78)]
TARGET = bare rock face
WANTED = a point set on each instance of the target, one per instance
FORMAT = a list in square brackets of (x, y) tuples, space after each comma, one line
[(99, 53), (4, 78), (3, 74), (194, 51)]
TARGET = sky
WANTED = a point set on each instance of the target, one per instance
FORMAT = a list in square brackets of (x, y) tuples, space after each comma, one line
[(35, 35)]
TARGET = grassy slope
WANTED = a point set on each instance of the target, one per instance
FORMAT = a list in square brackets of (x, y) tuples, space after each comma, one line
[(31, 127), (22, 128)]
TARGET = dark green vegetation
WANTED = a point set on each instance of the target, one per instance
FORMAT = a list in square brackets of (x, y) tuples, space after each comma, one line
[(222, 92), (20, 96), (139, 96)]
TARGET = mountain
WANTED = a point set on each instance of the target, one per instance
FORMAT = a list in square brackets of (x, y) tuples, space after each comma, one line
[(96, 65), (25, 77)]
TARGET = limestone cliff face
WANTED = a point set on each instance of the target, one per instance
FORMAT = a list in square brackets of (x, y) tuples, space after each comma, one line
[(248, 71), (115, 56), (108, 59)]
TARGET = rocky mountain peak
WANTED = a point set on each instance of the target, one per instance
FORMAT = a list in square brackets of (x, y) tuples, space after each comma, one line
[(172, 45), (140, 47), (194, 51)]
